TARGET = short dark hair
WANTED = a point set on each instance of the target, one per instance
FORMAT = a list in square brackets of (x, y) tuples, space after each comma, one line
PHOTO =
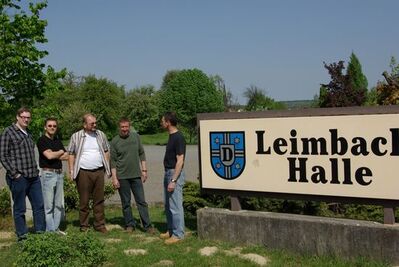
[(50, 119), (22, 110), (124, 119), (170, 117)]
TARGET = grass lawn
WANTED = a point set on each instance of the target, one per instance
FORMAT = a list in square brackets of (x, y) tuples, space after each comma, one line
[(155, 139), (118, 244)]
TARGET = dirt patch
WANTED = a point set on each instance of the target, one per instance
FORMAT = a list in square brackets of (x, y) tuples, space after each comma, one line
[(233, 252), (114, 226), (149, 239), (164, 263), (208, 251), (135, 252), (6, 235), (113, 240), (5, 245), (255, 258)]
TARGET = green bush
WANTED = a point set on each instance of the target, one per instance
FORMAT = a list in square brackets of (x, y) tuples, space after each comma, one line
[(5, 202), (49, 249), (193, 200), (71, 195)]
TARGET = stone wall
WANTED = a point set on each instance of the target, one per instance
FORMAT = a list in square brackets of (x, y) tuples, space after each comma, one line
[(302, 234)]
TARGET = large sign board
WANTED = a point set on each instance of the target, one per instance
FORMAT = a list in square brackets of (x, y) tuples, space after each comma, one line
[(341, 152)]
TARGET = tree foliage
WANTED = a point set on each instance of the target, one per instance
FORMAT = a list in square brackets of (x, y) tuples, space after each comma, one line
[(258, 100), (340, 91), (229, 102), (141, 108), (355, 75), (388, 91), (23, 78), (189, 92), (100, 96)]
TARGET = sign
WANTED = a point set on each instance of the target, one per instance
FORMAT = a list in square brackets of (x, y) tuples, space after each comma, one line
[(314, 153)]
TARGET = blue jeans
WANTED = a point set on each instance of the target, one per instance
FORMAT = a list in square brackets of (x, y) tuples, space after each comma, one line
[(135, 185), (174, 204), (53, 196), (20, 189)]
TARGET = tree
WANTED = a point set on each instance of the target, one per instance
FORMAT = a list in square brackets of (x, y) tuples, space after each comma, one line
[(141, 108), (257, 100), (388, 91), (190, 92), (229, 103), (100, 96), (339, 92), (355, 75), (23, 77)]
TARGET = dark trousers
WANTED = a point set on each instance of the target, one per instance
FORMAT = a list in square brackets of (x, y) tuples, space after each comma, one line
[(91, 184), (135, 185), (20, 189)]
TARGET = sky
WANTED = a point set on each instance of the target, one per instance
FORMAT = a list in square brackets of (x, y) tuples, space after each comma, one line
[(279, 46)]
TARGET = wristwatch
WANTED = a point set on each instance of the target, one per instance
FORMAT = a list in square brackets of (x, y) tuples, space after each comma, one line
[(174, 180)]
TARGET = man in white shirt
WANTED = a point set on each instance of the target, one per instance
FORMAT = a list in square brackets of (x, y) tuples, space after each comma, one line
[(89, 154)]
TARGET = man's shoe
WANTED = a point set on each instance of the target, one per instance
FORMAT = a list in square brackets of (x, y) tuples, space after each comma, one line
[(130, 229), (102, 230), (151, 230), (164, 235), (60, 232), (172, 240)]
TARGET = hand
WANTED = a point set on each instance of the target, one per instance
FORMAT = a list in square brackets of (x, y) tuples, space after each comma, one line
[(115, 182), (144, 176), (171, 187), (71, 175), (17, 176)]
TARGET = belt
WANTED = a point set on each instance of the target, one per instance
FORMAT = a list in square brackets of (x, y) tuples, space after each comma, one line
[(52, 170), (93, 170)]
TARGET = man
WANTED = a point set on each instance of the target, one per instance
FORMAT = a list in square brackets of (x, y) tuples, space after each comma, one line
[(51, 152), (173, 180), (88, 162), (129, 172), (18, 158)]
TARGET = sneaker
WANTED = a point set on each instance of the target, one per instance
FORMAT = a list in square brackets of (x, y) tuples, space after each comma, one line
[(130, 229), (60, 232), (172, 240), (164, 235), (151, 230)]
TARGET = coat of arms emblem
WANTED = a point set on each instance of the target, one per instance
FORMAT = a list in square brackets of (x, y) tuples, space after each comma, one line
[(227, 153)]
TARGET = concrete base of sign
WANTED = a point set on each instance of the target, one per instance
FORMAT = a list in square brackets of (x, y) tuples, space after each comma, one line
[(302, 234)]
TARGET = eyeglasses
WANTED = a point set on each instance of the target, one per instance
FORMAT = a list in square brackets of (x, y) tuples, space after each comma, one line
[(51, 126), (24, 117)]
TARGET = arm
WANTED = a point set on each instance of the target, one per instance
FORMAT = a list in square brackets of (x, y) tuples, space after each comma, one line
[(71, 163), (115, 180), (178, 169), (143, 163), (65, 156), (5, 155), (49, 154), (144, 171)]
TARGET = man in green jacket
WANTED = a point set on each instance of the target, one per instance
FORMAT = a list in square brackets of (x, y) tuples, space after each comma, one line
[(129, 172)]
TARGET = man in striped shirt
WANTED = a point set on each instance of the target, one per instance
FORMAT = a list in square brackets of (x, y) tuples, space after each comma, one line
[(17, 155), (88, 161)]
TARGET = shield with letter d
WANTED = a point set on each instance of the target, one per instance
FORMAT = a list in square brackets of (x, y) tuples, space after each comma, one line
[(227, 153)]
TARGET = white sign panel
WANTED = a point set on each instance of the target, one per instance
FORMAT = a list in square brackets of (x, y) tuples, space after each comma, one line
[(345, 156)]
